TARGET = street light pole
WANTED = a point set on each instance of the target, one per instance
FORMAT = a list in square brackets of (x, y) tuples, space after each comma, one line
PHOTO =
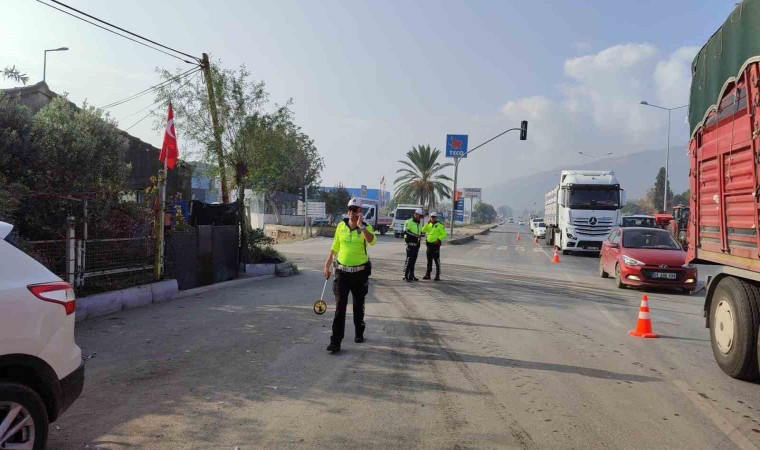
[(44, 59), (667, 152), (523, 135)]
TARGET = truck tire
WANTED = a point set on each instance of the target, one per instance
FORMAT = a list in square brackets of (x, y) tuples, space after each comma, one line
[(23, 402), (734, 323), (383, 230)]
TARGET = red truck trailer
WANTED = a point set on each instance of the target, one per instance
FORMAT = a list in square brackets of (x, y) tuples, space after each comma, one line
[(724, 149)]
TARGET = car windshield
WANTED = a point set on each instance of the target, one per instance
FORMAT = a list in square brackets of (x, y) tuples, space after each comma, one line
[(541, 225), (655, 239), (593, 198), (404, 214), (647, 222)]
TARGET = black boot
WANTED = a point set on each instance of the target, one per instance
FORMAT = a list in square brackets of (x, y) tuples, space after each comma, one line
[(426, 277), (333, 347)]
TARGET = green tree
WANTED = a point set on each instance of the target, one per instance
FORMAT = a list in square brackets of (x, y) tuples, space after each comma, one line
[(484, 213), (54, 160), (682, 198), (655, 195), (335, 200), (640, 206), (421, 180)]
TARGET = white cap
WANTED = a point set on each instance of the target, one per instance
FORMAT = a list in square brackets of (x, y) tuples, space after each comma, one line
[(419, 211), (433, 214), (355, 202)]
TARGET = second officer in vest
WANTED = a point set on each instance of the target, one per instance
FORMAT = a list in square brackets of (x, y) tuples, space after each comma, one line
[(436, 233), (412, 237)]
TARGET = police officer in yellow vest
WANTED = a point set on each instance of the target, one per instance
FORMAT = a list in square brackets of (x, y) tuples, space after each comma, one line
[(412, 236), (353, 268), (435, 234)]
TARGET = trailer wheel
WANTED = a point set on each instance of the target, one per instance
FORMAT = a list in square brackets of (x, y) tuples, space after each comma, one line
[(734, 323)]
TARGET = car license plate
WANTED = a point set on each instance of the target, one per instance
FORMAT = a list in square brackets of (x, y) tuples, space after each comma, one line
[(665, 275), (592, 247)]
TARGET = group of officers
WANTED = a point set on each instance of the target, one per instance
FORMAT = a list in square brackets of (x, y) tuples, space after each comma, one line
[(353, 266)]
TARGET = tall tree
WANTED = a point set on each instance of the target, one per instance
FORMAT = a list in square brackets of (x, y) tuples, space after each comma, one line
[(421, 180), (484, 213), (655, 195)]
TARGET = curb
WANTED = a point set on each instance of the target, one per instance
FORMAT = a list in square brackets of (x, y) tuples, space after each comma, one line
[(223, 284), (114, 301), (462, 240)]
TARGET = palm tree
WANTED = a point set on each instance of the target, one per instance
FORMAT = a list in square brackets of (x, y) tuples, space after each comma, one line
[(420, 180)]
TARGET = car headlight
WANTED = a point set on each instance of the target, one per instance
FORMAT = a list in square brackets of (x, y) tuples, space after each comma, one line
[(569, 232), (689, 266), (632, 262)]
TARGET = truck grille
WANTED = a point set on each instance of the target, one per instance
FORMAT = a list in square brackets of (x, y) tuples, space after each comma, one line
[(602, 227)]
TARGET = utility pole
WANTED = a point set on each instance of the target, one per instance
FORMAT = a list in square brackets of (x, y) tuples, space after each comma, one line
[(206, 66)]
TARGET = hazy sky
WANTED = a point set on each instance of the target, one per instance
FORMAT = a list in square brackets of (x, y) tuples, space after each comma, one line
[(370, 79)]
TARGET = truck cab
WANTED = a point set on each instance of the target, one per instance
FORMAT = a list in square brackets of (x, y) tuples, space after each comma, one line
[(401, 215), (582, 210)]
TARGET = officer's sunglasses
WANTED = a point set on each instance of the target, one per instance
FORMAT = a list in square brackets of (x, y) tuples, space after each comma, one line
[(354, 208)]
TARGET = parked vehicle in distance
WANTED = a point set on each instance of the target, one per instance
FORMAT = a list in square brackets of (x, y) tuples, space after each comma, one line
[(533, 222), (41, 369), (401, 215), (539, 230), (372, 216), (582, 210), (520, 222), (676, 223), (723, 215), (511, 220), (646, 257), (638, 220)]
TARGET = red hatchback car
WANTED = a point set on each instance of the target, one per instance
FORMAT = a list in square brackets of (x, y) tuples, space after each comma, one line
[(646, 257)]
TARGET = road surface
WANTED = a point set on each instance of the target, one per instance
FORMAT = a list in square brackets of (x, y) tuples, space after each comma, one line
[(508, 351)]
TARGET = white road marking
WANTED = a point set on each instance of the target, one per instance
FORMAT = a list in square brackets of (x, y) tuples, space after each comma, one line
[(520, 248), (725, 426), (503, 247)]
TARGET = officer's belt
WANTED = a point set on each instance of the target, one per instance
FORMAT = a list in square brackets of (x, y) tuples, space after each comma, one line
[(350, 269)]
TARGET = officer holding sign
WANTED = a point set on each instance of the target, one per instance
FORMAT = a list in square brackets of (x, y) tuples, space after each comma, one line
[(352, 271)]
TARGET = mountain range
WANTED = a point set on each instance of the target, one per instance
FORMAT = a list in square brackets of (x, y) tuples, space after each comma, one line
[(635, 171)]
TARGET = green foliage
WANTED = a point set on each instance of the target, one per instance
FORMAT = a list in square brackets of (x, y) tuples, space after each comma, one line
[(50, 162), (640, 206), (12, 73), (335, 200), (655, 195), (420, 180), (259, 248), (682, 198), (484, 213)]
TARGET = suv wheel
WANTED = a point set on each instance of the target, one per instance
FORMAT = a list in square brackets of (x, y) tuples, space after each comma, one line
[(23, 418)]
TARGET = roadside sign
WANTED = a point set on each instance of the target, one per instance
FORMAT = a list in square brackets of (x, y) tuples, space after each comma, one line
[(456, 146), (460, 216), (472, 192)]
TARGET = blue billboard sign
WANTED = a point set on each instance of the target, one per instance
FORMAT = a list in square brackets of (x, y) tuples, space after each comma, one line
[(456, 146)]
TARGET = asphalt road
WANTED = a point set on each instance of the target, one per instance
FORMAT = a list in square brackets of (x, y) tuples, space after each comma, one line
[(507, 351)]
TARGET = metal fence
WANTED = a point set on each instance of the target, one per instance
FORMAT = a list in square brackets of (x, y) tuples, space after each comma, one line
[(108, 264)]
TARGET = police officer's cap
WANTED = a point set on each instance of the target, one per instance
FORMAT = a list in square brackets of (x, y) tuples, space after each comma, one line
[(355, 202), (419, 211), (433, 214)]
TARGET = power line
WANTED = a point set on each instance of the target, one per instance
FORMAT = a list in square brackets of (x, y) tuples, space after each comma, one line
[(156, 108), (122, 29), (119, 34), (152, 88)]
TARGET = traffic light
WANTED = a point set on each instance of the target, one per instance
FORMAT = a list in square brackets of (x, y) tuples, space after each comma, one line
[(524, 130)]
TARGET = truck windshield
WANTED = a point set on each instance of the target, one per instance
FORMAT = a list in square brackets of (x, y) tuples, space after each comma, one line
[(593, 198), (404, 214)]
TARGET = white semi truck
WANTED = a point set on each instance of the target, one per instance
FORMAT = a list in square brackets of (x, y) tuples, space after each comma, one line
[(582, 210)]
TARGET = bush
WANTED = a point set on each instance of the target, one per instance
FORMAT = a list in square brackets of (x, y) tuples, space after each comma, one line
[(260, 249)]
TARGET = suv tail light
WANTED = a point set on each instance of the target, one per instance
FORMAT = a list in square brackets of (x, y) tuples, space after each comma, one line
[(57, 292)]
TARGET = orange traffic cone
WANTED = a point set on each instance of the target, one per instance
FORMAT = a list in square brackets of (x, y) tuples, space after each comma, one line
[(555, 259), (644, 325), (535, 239), (518, 236)]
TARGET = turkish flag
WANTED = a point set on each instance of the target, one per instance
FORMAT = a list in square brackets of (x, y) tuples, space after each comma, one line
[(169, 151)]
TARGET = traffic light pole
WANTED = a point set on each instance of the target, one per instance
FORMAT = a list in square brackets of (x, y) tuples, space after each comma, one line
[(523, 135)]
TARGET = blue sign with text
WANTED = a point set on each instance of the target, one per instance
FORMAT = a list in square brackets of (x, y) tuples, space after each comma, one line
[(456, 146)]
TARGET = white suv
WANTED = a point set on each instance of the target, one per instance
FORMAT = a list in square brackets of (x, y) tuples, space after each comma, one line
[(41, 369)]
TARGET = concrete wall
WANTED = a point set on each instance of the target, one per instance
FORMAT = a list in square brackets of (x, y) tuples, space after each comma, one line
[(258, 220)]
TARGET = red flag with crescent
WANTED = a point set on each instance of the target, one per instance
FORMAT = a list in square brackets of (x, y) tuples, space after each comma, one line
[(169, 151)]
